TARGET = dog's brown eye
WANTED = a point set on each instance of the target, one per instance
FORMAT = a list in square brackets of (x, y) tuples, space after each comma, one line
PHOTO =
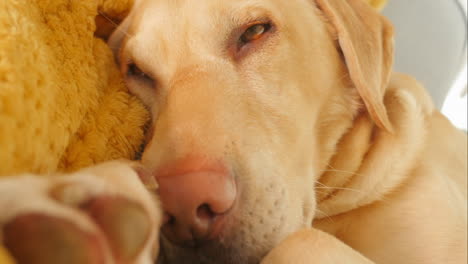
[(254, 32)]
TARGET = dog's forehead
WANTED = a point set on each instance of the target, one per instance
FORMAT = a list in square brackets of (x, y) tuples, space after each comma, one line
[(175, 30), (198, 14)]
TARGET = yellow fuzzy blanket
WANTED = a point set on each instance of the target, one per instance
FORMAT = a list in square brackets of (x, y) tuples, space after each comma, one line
[(63, 105)]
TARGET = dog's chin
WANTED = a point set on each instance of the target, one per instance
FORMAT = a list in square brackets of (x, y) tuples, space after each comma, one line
[(213, 252)]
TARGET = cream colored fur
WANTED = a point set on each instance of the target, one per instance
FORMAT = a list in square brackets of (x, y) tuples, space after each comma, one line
[(338, 160), (300, 114)]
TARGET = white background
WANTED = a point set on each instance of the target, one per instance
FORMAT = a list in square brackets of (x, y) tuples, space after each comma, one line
[(431, 44)]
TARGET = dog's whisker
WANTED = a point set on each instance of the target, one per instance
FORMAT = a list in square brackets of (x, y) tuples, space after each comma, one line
[(327, 216), (337, 188), (333, 169), (343, 171), (325, 187), (114, 24)]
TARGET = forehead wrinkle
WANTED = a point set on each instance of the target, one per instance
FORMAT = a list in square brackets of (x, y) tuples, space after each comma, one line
[(242, 12), (147, 57), (172, 30), (153, 31), (172, 33)]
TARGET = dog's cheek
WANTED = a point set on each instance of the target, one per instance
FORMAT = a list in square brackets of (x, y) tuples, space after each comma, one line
[(271, 215)]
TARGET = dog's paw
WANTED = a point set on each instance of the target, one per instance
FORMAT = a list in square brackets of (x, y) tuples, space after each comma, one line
[(313, 246), (100, 215)]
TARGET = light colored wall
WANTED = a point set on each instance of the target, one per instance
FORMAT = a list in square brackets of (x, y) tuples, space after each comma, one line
[(430, 41)]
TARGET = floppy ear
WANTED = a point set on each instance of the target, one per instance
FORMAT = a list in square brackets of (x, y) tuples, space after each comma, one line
[(366, 40)]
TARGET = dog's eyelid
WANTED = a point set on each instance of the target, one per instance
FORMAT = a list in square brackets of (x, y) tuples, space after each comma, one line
[(255, 31), (134, 73), (250, 36), (257, 20), (136, 69)]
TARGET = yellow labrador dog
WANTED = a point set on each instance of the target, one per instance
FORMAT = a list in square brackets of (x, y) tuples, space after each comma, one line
[(279, 135)]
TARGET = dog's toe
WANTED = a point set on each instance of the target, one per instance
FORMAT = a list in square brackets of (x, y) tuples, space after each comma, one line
[(99, 215), (40, 239), (125, 224)]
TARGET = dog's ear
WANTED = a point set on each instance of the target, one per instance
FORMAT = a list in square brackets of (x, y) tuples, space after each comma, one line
[(366, 40)]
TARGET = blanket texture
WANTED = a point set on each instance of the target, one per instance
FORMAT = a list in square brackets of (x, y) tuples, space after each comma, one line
[(63, 105)]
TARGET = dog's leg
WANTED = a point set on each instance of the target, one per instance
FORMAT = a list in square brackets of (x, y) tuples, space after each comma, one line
[(314, 246), (99, 215)]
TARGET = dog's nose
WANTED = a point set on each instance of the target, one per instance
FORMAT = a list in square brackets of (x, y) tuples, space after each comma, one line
[(196, 199)]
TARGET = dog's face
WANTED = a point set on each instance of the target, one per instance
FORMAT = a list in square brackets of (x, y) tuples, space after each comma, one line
[(257, 86)]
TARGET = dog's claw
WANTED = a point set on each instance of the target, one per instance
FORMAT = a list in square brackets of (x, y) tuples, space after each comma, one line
[(69, 194), (40, 239), (146, 177)]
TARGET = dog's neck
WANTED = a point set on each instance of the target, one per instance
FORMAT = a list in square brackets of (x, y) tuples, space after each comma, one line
[(368, 162)]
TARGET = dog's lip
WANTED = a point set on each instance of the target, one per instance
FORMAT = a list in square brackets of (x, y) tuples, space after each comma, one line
[(219, 222), (212, 235)]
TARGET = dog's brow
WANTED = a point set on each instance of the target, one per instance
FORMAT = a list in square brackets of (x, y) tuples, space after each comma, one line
[(250, 14), (132, 52)]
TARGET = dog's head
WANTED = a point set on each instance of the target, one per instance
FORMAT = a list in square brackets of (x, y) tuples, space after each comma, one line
[(249, 100)]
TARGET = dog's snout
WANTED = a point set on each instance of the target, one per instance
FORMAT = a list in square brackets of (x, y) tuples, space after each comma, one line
[(197, 196)]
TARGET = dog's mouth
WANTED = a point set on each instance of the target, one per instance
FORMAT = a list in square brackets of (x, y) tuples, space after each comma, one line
[(225, 244), (212, 252)]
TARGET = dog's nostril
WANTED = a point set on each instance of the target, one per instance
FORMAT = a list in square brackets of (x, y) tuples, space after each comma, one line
[(204, 212), (168, 219), (196, 201)]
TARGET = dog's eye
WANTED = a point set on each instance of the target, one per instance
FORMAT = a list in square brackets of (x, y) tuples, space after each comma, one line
[(136, 75), (255, 32), (134, 71)]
